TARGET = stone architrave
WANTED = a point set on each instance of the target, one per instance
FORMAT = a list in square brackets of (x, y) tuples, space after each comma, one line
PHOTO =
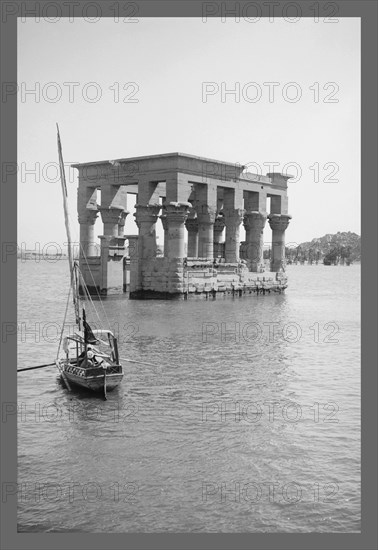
[(254, 223), (278, 223), (233, 218)]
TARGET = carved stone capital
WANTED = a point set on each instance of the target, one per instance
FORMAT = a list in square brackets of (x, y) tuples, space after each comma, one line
[(219, 224), (191, 225), (279, 222), (206, 214), (233, 216), (88, 216), (254, 221), (123, 217), (146, 213), (110, 214), (177, 212)]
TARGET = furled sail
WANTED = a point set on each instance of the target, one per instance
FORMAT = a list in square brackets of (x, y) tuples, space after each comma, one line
[(89, 337)]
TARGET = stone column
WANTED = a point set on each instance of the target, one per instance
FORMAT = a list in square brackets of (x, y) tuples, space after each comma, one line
[(164, 222), (192, 227), (254, 223), (88, 246), (146, 217), (233, 218), (218, 231), (112, 249), (278, 224), (177, 213), (206, 219), (121, 224), (135, 279)]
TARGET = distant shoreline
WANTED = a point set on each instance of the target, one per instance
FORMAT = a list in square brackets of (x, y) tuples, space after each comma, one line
[(26, 256)]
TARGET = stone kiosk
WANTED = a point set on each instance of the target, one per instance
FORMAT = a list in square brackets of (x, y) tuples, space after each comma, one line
[(201, 197)]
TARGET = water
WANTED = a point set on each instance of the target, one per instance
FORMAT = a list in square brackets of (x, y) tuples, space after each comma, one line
[(248, 422)]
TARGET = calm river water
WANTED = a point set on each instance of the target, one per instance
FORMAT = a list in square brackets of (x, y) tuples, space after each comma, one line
[(248, 422)]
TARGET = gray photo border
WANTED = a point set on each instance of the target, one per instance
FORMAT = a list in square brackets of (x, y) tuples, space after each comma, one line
[(367, 11)]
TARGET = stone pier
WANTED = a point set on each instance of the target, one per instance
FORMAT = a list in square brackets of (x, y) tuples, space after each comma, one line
[(87, 220), (278, 224), (177, 213), (202, 205), (219, 225), (191, 225), (254, 223)]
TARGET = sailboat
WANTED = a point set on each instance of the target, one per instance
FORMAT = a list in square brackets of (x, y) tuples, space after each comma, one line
[(90, 357)]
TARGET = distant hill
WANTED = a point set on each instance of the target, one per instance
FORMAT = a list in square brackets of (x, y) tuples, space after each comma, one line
[(344, 243)]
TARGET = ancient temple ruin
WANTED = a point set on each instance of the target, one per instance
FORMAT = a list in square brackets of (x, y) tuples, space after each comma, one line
[(203, 197)]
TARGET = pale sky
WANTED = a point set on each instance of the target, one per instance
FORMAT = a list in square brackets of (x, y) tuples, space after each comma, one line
[(169, 59)]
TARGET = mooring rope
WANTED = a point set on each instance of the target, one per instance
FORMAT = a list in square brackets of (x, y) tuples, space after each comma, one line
[(37, 367)]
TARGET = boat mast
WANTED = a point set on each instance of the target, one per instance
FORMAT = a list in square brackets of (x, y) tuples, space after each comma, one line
[(72, 264)]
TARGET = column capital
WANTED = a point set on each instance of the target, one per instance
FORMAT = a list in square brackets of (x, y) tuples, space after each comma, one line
[(206, 214), (233, 216), (219, 223), (146, 213), (123, 217), (191, 225), (177, 211), (121, 224), (279, 222), (88, 216), (110, 214), (254, 220)]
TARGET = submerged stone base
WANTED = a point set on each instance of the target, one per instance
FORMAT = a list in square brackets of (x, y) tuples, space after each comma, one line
[(97, 291), (195, 278), (205, 295)]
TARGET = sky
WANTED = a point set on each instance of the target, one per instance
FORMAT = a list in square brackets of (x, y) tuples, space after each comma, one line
[(159, 85)]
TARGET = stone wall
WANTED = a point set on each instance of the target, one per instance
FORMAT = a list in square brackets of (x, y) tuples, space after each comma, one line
[(179, 278), (163, 275)]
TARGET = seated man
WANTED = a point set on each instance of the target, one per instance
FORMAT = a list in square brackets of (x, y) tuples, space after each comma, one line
[(87, 359), (96, 360), (92, 358)]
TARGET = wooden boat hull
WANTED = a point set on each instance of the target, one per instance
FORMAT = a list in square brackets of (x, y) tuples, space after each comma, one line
[(91, 378)]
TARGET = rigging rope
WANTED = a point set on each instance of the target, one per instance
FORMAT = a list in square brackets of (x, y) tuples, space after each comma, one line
[(97, 292), (64, 322)]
